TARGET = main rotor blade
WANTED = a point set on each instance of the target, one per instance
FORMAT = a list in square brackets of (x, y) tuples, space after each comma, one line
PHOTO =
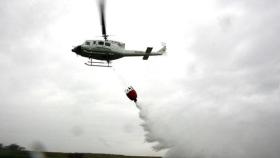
[(102, 18)]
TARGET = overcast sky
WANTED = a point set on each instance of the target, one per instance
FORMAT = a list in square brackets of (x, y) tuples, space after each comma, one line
[(215, 94)]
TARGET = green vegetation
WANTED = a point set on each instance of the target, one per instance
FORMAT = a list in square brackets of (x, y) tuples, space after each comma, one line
[(12, 147), (16, 151), (4, 153)]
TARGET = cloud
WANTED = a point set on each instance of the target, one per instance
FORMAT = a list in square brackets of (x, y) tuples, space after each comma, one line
[(214, 95), (229, 103)]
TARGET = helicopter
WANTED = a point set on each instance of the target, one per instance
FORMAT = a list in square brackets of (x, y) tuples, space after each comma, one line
[(107, 50)]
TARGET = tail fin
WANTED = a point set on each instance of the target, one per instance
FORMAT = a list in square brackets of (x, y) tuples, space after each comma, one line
[(163, 49)]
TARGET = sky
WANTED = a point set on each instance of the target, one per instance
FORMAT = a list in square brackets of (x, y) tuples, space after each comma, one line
[(214, 94)]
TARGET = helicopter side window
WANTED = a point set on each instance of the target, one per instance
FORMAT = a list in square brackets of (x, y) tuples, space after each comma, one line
[(94, 42), (87, 43), (108, 44), (101, 43)]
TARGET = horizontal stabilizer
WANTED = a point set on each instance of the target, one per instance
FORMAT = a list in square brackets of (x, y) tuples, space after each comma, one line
[(147, 53)]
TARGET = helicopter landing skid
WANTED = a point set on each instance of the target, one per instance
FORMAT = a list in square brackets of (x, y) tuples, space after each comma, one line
[(98, 64)]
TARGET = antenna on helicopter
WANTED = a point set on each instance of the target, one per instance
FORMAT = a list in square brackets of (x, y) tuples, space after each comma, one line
[(102, 18)]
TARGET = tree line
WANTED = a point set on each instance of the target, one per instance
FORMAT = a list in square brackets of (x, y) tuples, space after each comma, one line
[(13, 147)]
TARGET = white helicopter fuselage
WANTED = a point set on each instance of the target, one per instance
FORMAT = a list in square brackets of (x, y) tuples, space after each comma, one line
[(111, 50), (107, 49)]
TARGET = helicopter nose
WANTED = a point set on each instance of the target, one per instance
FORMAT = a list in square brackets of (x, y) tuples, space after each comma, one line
[(77, 49)]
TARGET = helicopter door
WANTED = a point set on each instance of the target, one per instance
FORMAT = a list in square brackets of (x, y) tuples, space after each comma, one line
[(107, 44), (100, 43)]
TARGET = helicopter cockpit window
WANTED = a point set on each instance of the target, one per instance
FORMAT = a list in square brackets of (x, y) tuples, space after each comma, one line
[(101, 43), (87, 43), (108, 44)]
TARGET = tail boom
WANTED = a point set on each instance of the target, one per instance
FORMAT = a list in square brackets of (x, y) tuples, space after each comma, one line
[(146, 53)]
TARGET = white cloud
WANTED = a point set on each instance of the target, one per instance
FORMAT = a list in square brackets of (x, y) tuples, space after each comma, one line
[(214, 94), (228, 104)]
